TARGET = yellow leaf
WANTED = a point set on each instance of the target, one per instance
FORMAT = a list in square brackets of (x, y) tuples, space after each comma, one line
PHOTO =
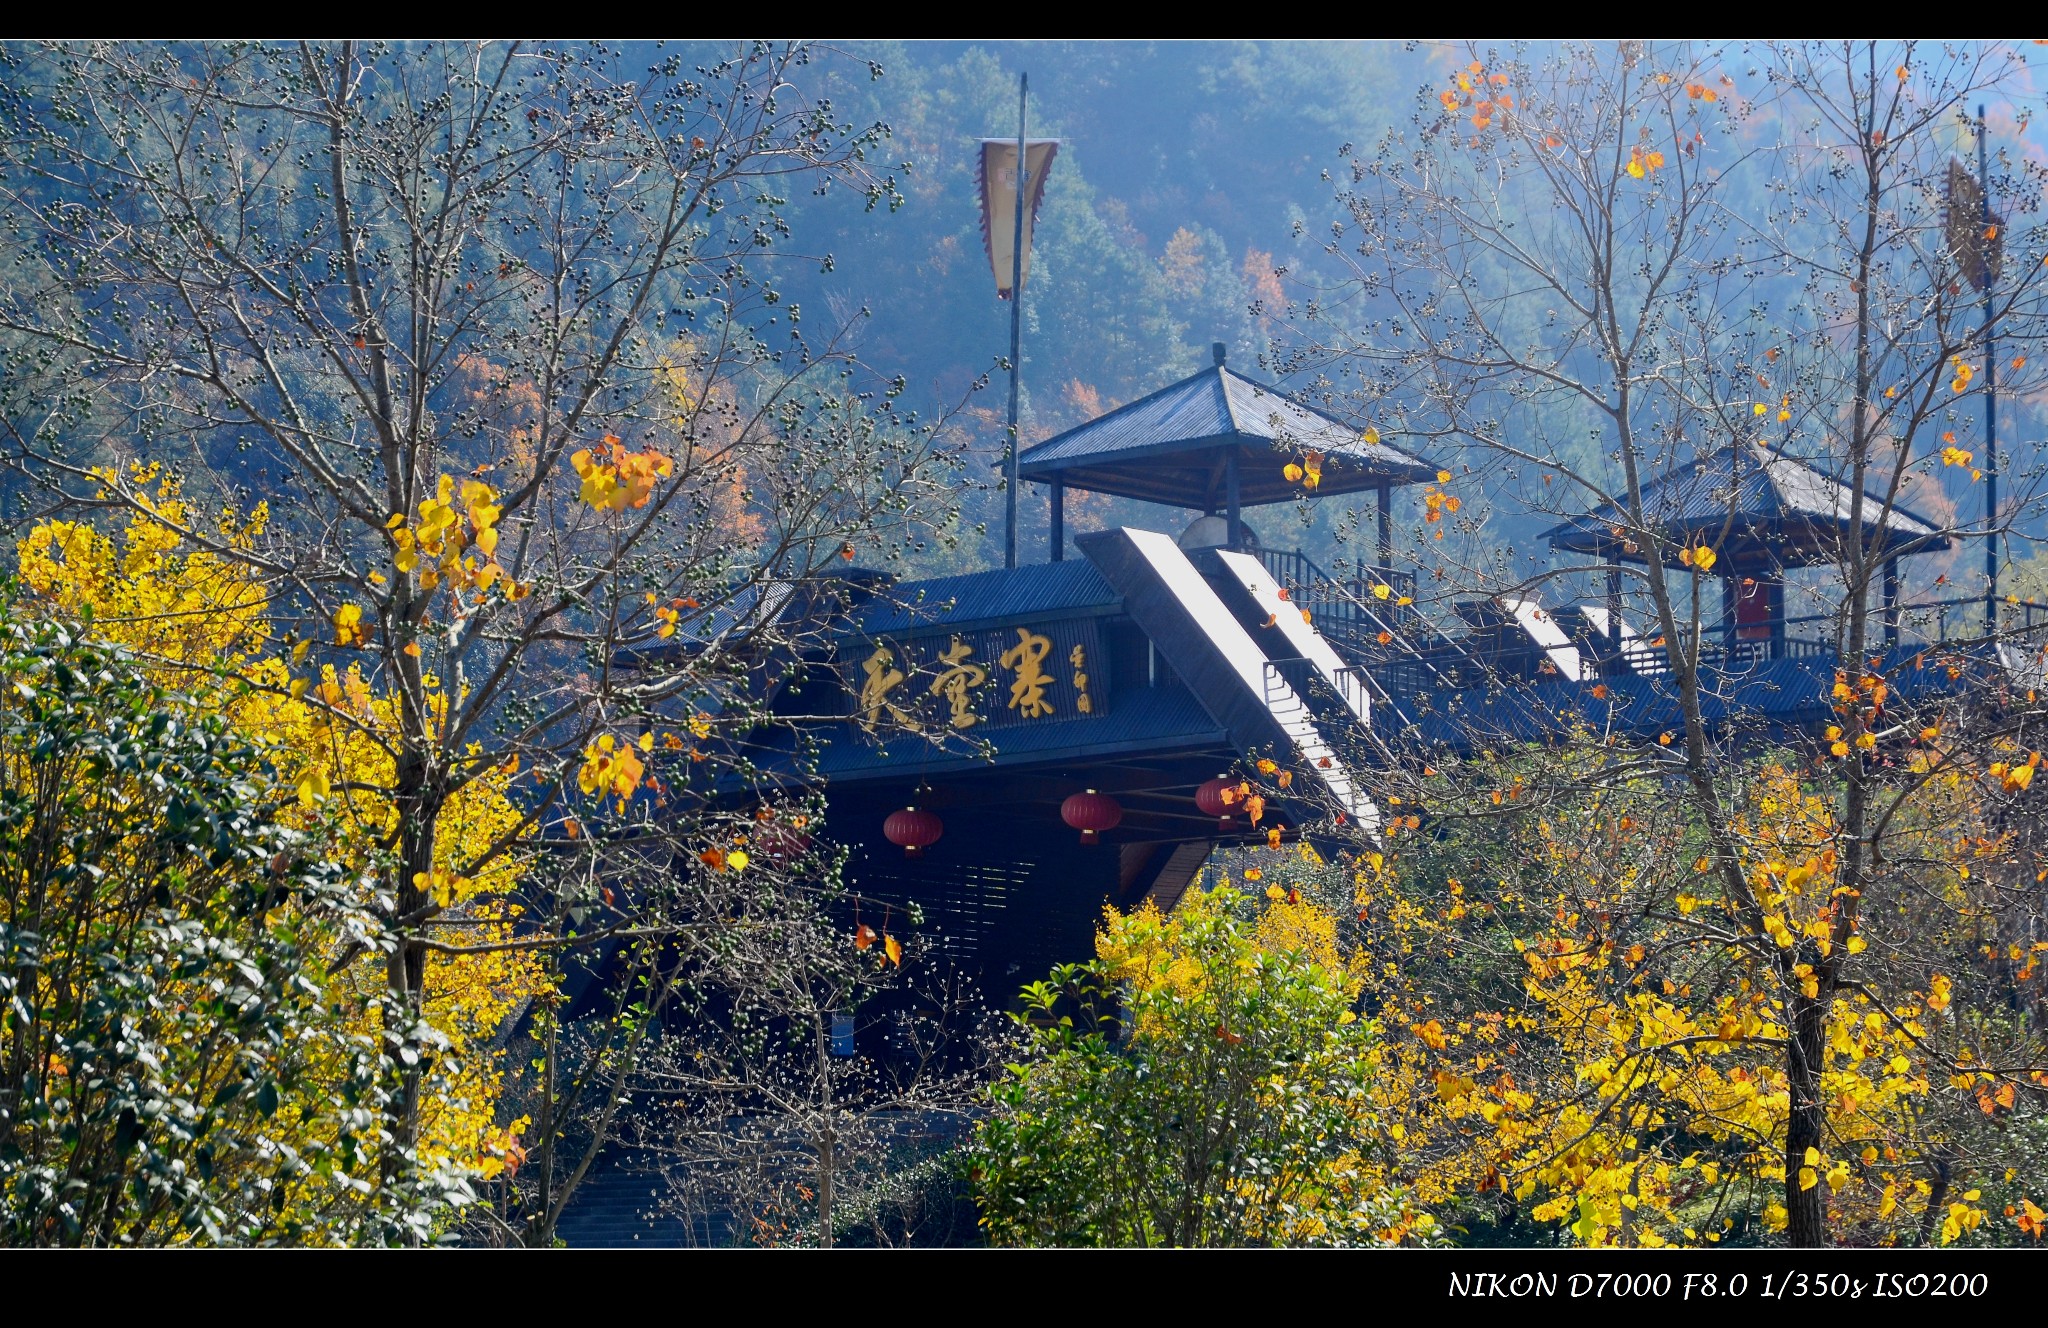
[(313, 785), (1381, 592), (737, 859), (349, 629), (894, 949)]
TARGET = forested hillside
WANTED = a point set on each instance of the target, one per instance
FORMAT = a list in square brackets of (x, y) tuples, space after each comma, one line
[(1192, 202), (1188, 173)]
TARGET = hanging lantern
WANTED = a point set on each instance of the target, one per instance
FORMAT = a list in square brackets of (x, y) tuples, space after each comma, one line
[(781, 841), (1211, 799), (913, 830), (1091, 813)]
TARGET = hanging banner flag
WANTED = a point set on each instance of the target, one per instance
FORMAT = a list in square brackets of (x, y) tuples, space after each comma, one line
[(999, 200), (1976, 243)]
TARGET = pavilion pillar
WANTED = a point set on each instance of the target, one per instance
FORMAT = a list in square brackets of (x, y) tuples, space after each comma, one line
[(1057, 535), (1231, 498), (1386, 495), (1614, 611), (1730, 593), (1891, 603)]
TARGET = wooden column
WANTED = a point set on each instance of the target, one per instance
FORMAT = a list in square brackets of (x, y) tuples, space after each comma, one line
[(1057, 535), (1230, 498), (1891, 603), (1614, 613), (1386, 495), (1729, 592)]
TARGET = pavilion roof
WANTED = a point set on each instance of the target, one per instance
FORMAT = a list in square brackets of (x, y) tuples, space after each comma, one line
[(1756, 506), (1172, 446)]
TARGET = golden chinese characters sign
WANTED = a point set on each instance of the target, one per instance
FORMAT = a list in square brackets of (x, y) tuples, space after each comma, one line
[(971, 681)]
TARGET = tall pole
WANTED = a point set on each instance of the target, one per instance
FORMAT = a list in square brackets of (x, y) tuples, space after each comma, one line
[(1016, 339), (1985, 248)]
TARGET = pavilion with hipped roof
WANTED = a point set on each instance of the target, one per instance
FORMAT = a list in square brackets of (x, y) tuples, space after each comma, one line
[(1763, 512), (1218, 442)]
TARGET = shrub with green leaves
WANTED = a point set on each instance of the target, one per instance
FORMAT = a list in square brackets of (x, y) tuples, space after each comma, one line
[(171, 1069), (1226, 1099)]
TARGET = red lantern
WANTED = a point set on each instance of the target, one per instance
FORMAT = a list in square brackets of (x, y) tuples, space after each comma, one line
[(1091, 813), (914, 830), (781, 841), (1210, 799)]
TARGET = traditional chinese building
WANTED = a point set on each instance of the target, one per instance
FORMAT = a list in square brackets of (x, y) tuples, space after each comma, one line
[(994, 722), (1011, 750)]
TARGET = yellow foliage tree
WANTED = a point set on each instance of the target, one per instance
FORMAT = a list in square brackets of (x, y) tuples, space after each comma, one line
[(1237, 1105), (201, 624), (1580, 1030)]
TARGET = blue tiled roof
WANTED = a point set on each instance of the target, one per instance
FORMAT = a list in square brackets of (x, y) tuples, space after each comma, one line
[(1045, 588), (1207, 408), (1768, 493)]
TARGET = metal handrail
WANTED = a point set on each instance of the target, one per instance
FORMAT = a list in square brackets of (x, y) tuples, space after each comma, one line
[(1306, 581), (1322, 692), (1930, 622)]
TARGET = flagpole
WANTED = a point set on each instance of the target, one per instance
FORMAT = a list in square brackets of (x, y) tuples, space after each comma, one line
[(1016, 339), (1988, 247)]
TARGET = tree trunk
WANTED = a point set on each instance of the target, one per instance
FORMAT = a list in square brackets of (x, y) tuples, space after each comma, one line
[(418, 807), (827, 1161), (1805, 1208)]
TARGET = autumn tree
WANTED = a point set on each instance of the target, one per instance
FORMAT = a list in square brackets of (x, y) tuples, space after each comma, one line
[(1204, 1081), (196, 623), (1581, 273), (494, 332)]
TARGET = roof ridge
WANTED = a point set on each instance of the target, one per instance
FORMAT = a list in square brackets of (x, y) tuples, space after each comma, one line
[(1130, 405), (1780, 454), (1224, 374)]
